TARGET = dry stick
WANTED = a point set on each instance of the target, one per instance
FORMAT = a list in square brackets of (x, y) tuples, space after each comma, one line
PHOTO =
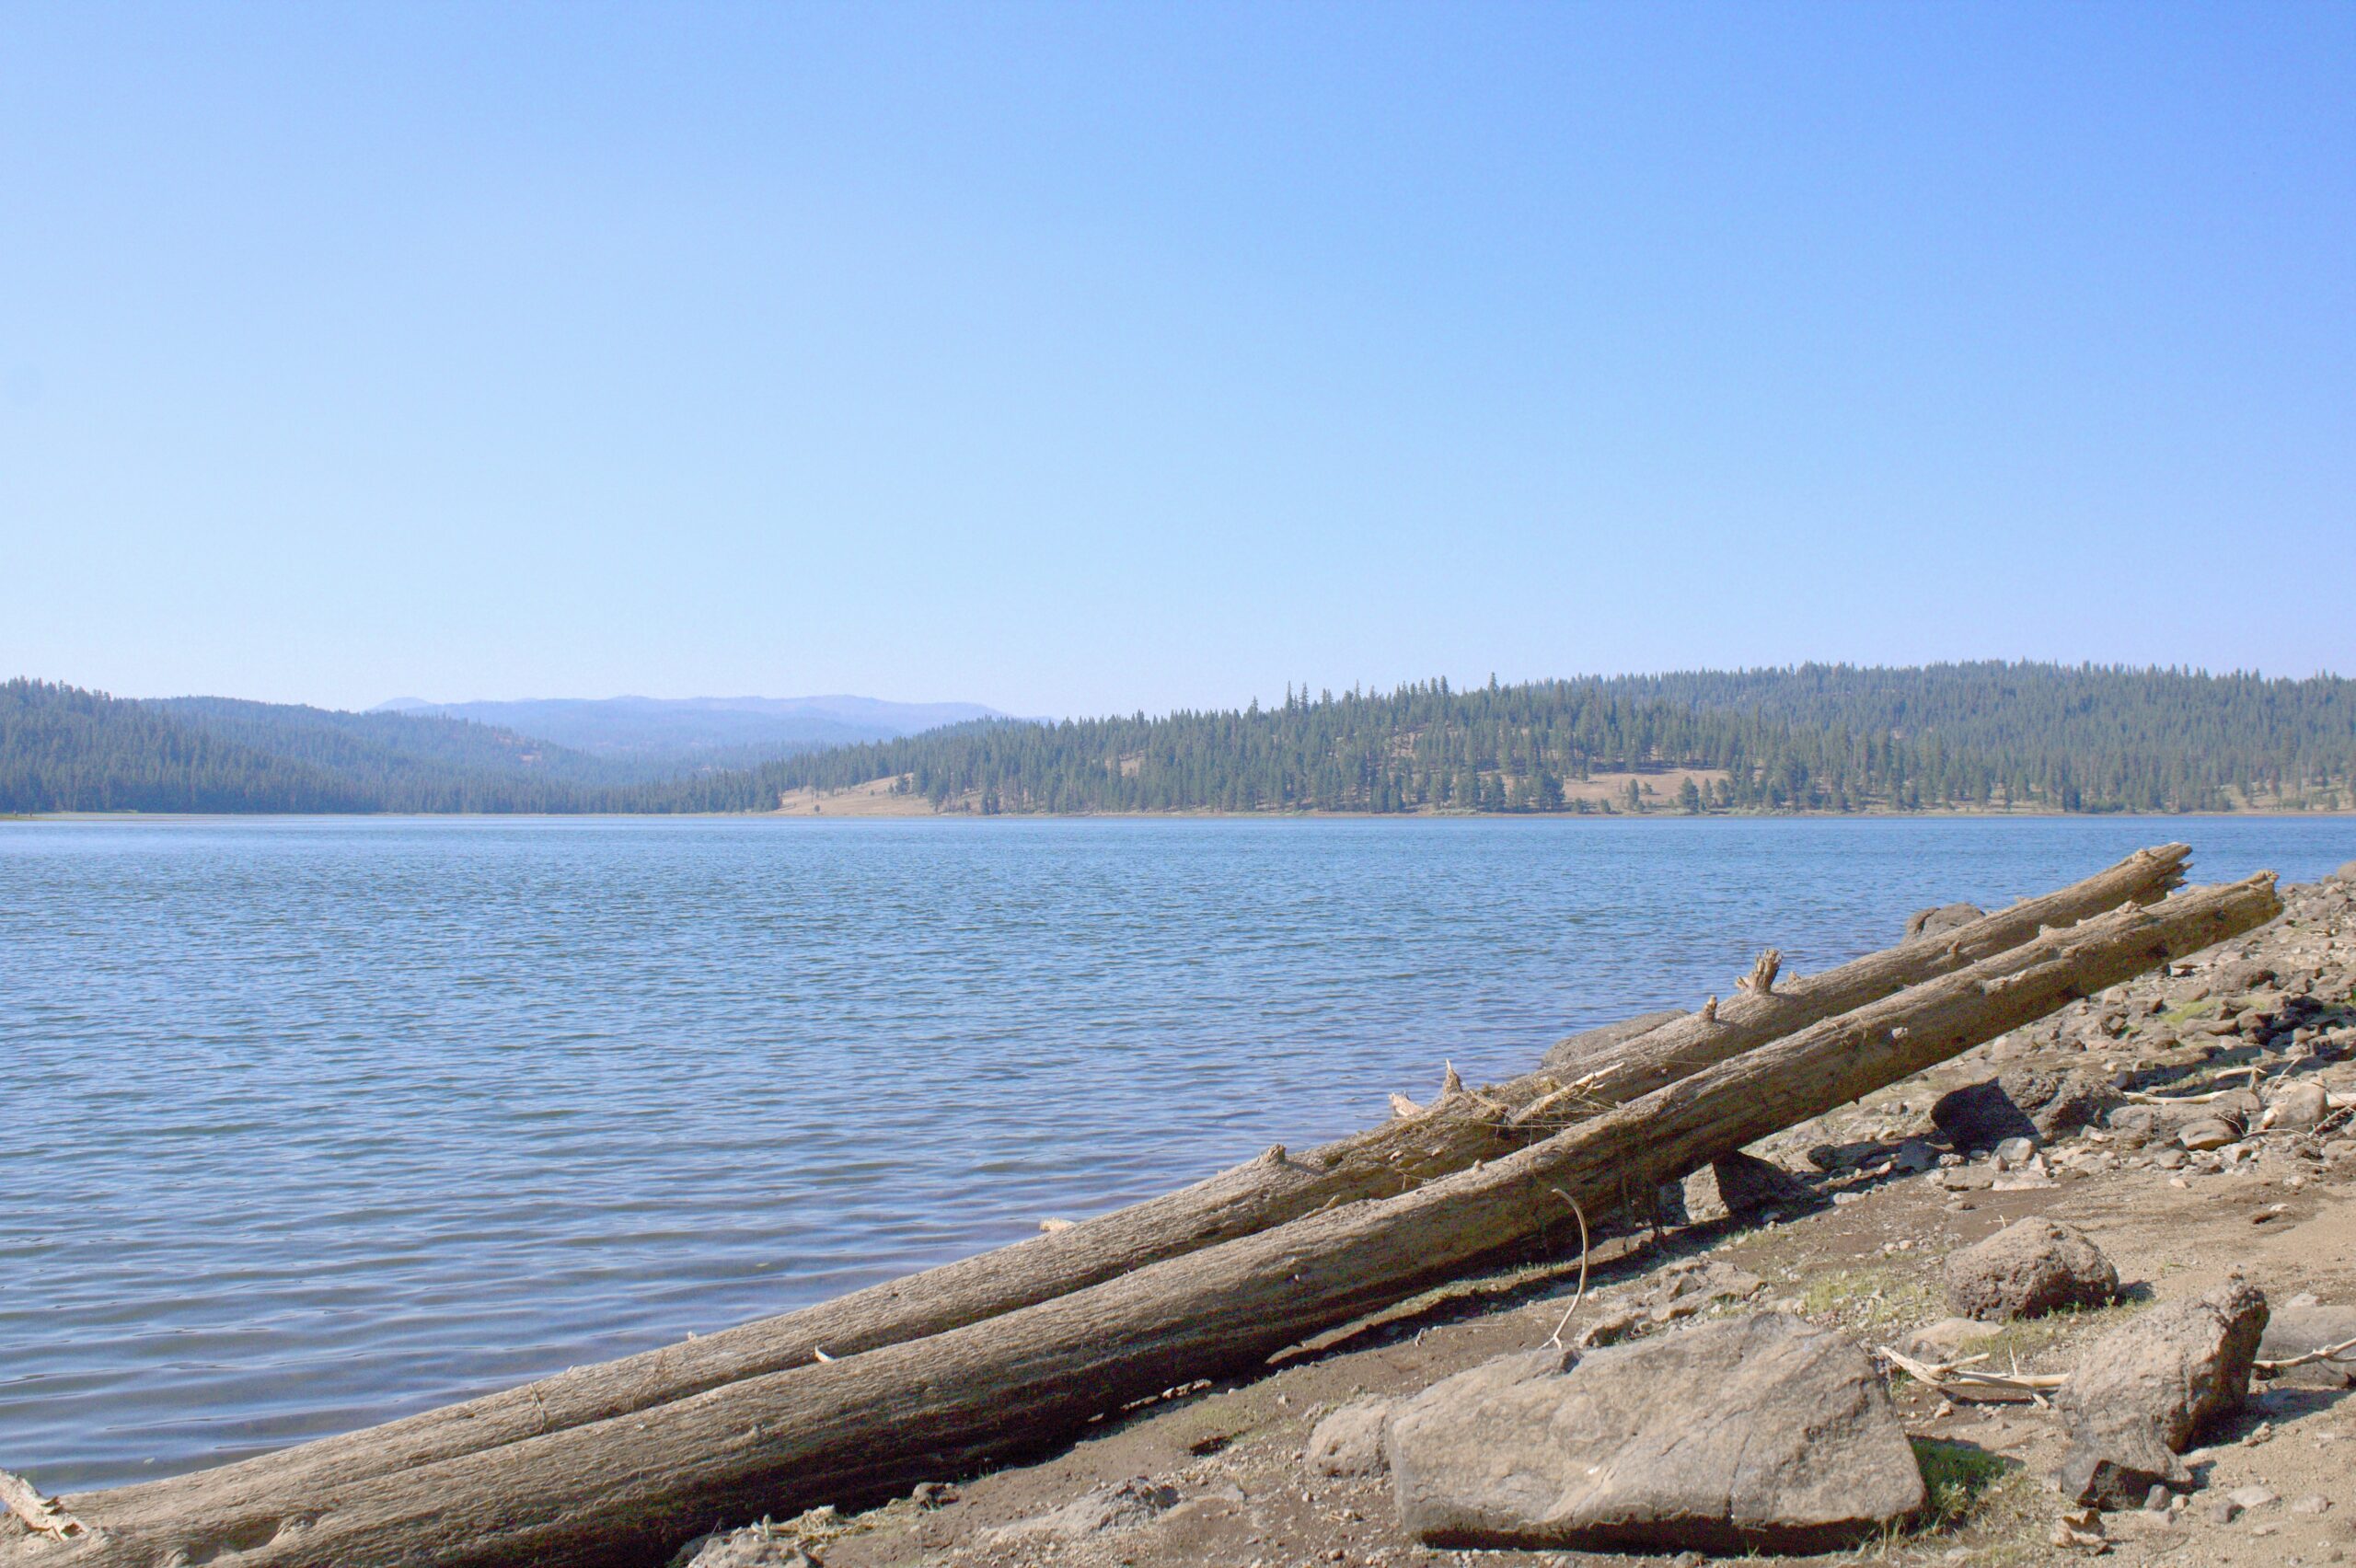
[(1555, 1338), (625, 1492), (1458, 1131), (2339, 1352), (39, 1514), (1961, 1378)]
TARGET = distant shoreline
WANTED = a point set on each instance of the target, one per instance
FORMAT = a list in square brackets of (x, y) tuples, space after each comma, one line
[(2024, 814)]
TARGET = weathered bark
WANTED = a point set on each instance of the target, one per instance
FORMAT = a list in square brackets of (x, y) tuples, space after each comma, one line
[(629, 1489), (1605, 1067)]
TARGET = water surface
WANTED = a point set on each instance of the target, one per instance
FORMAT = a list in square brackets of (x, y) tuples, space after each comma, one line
[(315, 1123)]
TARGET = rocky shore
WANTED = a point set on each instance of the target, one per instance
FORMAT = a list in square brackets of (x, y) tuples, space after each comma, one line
[(2064, 1297)]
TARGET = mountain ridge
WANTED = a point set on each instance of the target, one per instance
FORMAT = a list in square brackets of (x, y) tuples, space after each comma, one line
[(706, 731)]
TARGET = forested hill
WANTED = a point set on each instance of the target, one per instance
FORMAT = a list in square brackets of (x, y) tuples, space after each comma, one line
[(63, 749), (1813, 738)]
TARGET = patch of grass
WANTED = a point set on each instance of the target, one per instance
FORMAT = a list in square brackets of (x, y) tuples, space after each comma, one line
[(2021, 1342), (1870, 1298), (2187, 1012), (1956, 1476)]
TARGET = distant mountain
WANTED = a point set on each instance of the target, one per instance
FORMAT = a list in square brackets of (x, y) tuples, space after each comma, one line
[(401, 750), (703, 731)]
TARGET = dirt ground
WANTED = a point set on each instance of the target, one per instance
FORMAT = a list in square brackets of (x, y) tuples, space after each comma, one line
[(2280, 1210)]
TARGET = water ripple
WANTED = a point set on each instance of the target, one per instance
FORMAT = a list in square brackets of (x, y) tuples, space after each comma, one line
[(322, 1122)]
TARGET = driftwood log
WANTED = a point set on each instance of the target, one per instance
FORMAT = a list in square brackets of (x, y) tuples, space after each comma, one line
[(628, 1490), (1594, 1071)]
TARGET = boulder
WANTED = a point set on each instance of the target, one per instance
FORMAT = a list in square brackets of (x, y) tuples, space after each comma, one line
[(2080, 1100), (2346, 873), (1944, 918), (2141, 1390), (1590, 1043), (1757, 1432), (2027, 1270), (1743, 1184), (2294, 1331), (1980, 1115), (1349, 1441), (2296, 1104)]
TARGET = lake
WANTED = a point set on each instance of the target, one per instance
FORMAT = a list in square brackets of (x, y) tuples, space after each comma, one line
[(314, 1123)]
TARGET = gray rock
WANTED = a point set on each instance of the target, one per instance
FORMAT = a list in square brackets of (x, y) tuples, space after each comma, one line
[(2208, 1133), (2080, 1100), (1980, 1115), (1761, 1431), (1349, 1441), (2017, 1152), (2296, 1104), (2028, 1269), (1940, 921), (2239, 976), (1123, 1506), (1590, 1043), (2140, 1392), (1943, 1339), (755, 1546), (1913, 1157), (2294, 1331), (2147, 1120), (2346, 873), (1743, 1184)]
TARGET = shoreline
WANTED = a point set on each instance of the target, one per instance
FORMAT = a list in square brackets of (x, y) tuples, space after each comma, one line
[(2024, 814)]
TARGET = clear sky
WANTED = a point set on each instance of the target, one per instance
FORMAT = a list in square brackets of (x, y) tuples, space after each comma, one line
[(1075, 358)]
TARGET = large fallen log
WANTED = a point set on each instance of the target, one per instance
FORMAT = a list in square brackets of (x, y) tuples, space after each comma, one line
[(628, 1489), (1458, 1131)]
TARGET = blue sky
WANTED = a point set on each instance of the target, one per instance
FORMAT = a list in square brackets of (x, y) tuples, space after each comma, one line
[(1083, 358)]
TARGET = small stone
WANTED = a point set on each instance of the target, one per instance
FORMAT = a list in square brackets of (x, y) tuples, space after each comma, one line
[(2078, 1538), (1105, 1511), (2208, 1133), (2253, 1496), (1349, 1441), (2226, 1511), (1610, 1329), (2314, 1503)]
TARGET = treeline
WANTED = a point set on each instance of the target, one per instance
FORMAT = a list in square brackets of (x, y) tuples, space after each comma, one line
[(1828, 738), (1812, 738), (62, 749)]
